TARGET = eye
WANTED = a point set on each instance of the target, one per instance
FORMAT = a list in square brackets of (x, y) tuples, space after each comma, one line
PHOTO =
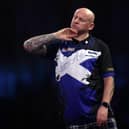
[(82, 20), (75, 17)]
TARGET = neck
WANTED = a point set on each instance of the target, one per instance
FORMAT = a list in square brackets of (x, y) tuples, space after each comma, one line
[(82, 36)]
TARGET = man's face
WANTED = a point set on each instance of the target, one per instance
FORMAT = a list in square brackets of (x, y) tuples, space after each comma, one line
[(81, 22)]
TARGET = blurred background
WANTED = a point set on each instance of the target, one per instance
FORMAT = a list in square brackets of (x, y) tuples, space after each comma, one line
[(27, 97)]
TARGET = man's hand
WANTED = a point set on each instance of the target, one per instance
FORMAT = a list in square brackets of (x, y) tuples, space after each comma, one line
[(36, 43), (102, 115), (66, 34)]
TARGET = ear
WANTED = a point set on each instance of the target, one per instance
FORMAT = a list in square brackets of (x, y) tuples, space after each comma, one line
[(91, 26)]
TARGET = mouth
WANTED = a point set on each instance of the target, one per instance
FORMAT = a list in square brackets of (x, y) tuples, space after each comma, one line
[(74, 26)]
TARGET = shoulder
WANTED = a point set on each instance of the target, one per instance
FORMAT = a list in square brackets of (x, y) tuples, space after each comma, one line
[(100, 44)]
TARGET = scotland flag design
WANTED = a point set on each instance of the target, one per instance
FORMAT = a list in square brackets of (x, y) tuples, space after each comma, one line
[(74, 67)]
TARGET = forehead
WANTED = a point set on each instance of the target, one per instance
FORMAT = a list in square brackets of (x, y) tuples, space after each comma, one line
[(82, 13)]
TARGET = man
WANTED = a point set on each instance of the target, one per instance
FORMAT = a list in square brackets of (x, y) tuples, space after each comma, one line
[(84, 72)]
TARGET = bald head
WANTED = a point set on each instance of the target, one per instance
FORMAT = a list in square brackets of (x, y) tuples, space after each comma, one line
[(87, 12), (83, 21)]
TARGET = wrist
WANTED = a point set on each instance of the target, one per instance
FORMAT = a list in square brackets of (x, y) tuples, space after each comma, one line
[(57, 35), (105, 104)]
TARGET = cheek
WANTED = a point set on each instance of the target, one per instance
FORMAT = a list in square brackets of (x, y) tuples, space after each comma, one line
[(83, 27), (71, 23)]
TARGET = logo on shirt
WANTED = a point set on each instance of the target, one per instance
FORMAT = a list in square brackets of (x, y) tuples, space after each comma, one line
[(71, 65), (68, 49)]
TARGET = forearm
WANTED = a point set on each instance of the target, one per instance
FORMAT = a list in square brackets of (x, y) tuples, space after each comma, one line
[(37, 42), (108, 89)]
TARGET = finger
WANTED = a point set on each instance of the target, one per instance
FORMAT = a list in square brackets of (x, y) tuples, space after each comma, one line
[(72, 35), (101, 123), (69, 38), (73, 31)]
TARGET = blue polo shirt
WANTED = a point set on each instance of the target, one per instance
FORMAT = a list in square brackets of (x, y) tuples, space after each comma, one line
[(79, 71)]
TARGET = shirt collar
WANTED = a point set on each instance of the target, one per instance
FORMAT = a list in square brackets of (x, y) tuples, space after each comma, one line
[(86, 40)]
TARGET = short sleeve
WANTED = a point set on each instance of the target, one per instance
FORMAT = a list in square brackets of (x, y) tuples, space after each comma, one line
[(106, 67)]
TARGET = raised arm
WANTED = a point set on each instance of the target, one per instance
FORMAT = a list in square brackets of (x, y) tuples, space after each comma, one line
[(37, 43)]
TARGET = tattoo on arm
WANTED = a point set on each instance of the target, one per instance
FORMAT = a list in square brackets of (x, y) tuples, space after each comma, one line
[(36, 43)]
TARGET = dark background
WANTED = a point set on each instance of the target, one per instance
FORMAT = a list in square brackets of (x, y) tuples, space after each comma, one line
[(27, 97)]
